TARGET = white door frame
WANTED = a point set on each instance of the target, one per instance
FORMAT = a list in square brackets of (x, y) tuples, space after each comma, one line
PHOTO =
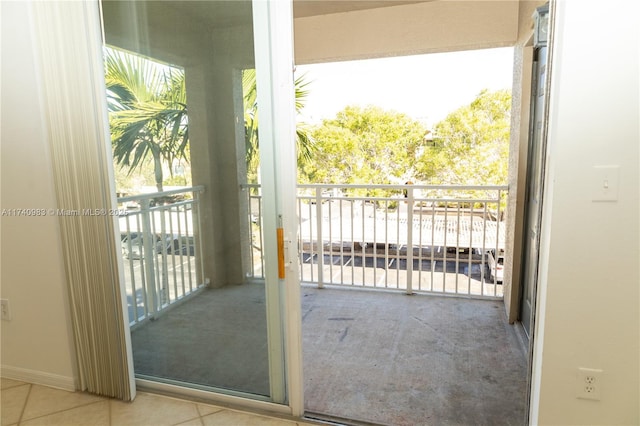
[(273, 41)]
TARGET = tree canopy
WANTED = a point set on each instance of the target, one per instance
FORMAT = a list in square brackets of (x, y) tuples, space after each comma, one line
[(374, 146), (471, 145), (364, 145)]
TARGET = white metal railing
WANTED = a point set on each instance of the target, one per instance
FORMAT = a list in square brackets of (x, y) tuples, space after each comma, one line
[(414, 238), (161, 249)]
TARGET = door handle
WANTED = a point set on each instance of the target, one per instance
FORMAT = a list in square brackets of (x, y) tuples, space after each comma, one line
[(280, 236)]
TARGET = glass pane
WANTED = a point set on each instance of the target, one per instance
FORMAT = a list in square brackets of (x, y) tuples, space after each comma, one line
[(176, 76)]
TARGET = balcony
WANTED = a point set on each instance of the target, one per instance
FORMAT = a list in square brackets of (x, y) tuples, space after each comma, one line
[(370, 353)]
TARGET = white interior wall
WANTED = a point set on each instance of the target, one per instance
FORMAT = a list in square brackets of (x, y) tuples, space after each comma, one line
[(37, 342), (589, 267)]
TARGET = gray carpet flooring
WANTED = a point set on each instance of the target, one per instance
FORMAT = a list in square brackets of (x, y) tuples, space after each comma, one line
[(411, 360), (375, 357), (216, 339)]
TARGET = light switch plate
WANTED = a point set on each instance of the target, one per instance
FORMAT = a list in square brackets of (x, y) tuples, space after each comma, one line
[(605, 183)]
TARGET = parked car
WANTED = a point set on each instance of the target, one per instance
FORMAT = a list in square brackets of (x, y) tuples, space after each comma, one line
[(133, 244), (184, 245), (496, 265)]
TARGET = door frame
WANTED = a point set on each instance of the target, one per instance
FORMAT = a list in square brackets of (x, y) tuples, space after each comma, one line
[(536, 321), (273, 44), (535, 176)]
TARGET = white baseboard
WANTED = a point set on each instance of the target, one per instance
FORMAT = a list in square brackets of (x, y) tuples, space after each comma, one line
[(38, 378)]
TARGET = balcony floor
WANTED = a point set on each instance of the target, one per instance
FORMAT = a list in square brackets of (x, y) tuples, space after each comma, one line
[(406, 360), (370, 356)]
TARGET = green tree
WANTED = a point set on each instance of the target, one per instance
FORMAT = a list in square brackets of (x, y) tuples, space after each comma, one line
[(471, 145), (365, 146), (147, 112), (304, 140)]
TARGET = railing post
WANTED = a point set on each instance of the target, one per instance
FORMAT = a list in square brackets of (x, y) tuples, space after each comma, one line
[(410, 201), (196, 228), (164, 279), (319, 239), (148, 256)]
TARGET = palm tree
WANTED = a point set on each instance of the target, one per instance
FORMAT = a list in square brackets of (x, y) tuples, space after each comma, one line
[(147, 112), (304, 142)]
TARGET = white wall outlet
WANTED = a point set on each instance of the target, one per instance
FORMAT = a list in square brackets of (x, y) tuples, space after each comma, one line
[(589, 384), (6, 313)]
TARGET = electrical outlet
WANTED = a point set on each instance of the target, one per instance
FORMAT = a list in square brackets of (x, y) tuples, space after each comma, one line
[(6, 314), (589, 384)]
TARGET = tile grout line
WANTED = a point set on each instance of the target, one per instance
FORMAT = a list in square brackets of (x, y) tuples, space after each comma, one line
[(15, 386), (55, 412), (24, 406), (109, 401), (199, 416), (202, 416)]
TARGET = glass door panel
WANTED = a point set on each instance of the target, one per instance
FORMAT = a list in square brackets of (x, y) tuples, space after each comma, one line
[(199, 315), (535, 180)]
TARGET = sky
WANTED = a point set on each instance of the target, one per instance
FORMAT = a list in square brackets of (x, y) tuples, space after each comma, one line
[(425, 87)]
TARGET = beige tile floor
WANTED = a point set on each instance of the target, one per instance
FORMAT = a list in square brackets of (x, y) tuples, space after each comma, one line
[(27, 404)]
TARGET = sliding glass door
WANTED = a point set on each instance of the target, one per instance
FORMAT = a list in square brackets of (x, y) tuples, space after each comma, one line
[(186, 83)]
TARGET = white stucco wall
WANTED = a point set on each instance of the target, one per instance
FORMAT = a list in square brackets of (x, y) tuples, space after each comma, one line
[(36, 343), (589, 270)]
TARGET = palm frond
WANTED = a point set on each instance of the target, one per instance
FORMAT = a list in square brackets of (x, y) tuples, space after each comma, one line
[(147, 110)]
